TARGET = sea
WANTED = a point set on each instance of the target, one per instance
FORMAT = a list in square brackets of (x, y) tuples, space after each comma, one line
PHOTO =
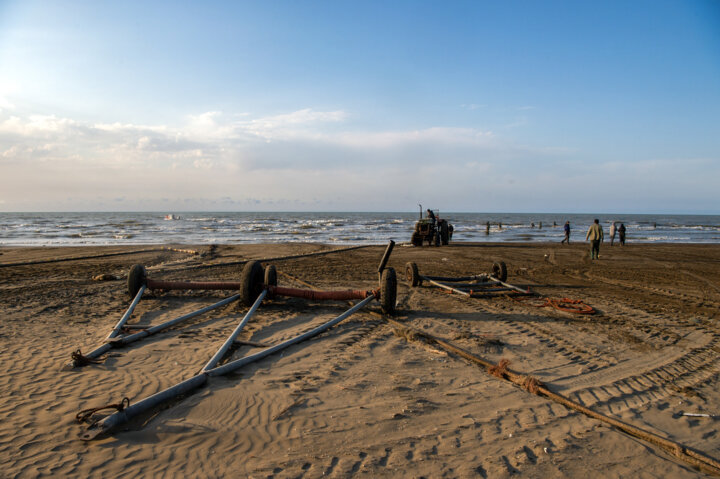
[(128, 228)]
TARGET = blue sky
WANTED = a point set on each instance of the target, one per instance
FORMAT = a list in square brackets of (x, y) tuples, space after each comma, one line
[(360, 106)]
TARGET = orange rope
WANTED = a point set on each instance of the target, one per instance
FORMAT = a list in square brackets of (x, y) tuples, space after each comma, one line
[(571, 305), (575, 306)]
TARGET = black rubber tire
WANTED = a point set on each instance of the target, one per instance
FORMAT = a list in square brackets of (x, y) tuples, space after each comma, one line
[(137, 277), (444, 235), (270, 275), (388, 290), (416, 239), (252, 282), (499, 271), (412, 275)]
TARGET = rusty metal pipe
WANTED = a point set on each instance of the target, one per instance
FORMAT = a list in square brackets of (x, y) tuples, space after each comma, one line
[(229, 341), (318, 295), (487, 291)]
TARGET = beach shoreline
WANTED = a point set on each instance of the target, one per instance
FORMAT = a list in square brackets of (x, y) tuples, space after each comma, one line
[(360, 399)]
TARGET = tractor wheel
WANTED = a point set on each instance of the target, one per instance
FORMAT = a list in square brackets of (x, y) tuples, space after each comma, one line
[(388, 290), (251, 282), (137, 277), (411, 274), (444, 235), (270, 276), (499, 271), (416, 239)]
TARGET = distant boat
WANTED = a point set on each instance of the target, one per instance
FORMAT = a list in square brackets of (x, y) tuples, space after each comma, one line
[(172, 217)]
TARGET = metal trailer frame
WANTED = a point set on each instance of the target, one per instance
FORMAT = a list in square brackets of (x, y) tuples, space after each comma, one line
[(480, 285), (255, 286)]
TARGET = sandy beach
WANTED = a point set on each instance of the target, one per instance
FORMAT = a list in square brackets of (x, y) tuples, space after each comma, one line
[(363, 399)]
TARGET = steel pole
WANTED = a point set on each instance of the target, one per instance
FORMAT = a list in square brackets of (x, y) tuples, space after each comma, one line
[(444, 286), (116, 330), (483, 277), (129, 412), (156, 329), (123, 340), (508, 285), (194, 382), (386, 257), (229, 341), (238, 363)]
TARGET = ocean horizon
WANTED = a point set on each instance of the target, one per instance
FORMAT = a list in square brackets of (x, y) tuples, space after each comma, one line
[(345, 228)]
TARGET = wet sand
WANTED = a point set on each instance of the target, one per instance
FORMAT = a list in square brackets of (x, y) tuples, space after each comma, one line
[(361, 400)]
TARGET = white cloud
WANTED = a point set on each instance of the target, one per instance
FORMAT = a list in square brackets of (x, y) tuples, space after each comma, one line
[(5, 104), (309, 159), (203, 163)]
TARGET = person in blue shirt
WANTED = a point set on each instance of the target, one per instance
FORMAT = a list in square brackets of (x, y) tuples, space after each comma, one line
[(567, 233)]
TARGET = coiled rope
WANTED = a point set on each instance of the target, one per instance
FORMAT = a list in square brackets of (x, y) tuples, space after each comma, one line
[(85, 414), (82, 360)]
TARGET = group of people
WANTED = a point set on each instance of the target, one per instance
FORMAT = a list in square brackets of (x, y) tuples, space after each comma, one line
[(595, 236)]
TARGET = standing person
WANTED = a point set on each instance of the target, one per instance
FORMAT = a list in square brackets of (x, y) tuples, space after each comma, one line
[(567, 233), (621, 231), (431, 215), (487, 228), (595, 235), (612, 233)]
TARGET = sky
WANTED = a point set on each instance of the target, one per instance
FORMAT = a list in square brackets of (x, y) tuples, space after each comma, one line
[(479, 106)]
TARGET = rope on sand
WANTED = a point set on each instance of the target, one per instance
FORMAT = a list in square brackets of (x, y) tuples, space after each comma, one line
[(532, 385), (85, 414), (82, 360), (104, 255), (567, 305)]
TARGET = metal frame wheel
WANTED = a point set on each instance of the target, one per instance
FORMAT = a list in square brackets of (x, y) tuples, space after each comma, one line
[(252, 282), (270, 276), (137, 278), (412, 275), (388, 290), (499, 271)]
